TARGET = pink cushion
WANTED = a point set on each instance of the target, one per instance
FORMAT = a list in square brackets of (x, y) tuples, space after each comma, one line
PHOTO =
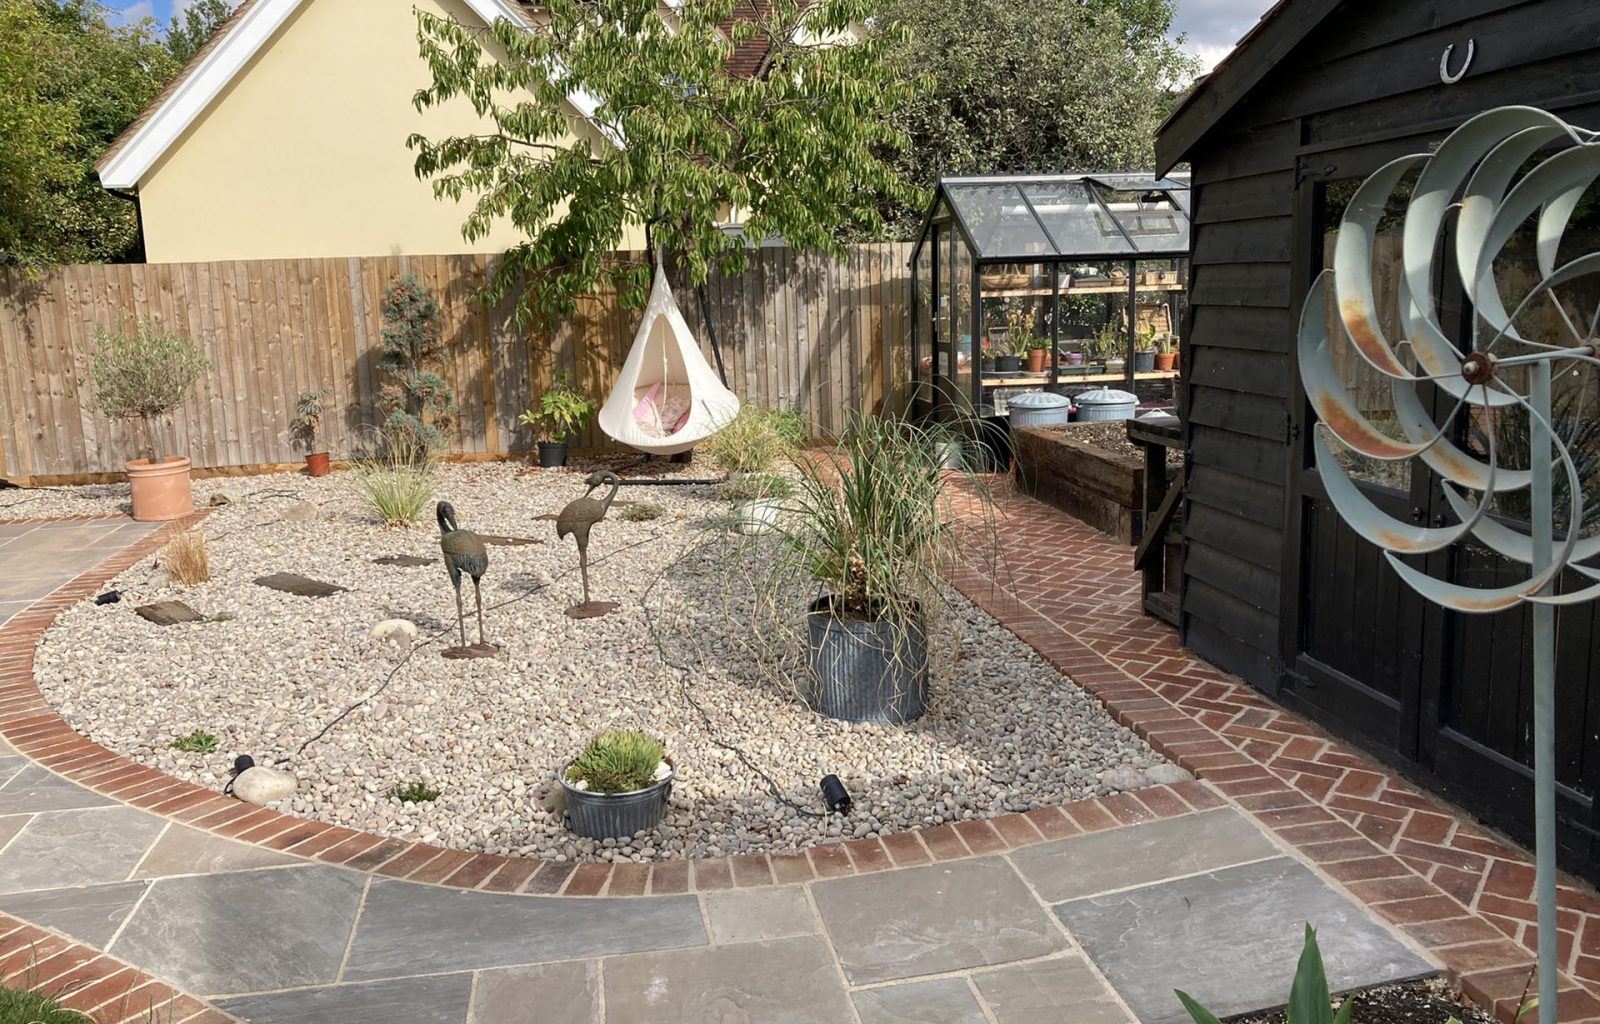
[(646, 409), (682, 420)]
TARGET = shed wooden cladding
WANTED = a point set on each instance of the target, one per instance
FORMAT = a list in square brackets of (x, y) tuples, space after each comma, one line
[(798, 331)]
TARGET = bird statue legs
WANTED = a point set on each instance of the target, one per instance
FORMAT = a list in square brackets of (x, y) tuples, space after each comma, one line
[(477, 595), (461, 614), (583, 569)]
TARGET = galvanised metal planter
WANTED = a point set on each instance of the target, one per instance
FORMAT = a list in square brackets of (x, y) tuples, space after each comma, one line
[(616, 815), (866, 670)]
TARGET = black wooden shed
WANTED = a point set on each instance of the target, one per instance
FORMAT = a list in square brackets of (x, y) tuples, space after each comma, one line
[(1275, 588)]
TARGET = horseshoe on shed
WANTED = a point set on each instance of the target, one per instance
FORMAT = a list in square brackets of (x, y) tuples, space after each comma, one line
[(1444, 63)]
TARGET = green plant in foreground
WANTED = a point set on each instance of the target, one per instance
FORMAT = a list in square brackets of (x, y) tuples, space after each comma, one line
[(415, 793), (643, 512), (617, 761), (755, 440), (21, 1007), (197, 742), (754, 486), (397, 482), (142, 374), (1309, 1000)]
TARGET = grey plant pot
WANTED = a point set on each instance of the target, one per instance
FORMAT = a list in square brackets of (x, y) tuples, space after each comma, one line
[(616, 815), (865, 670), (552, 454)]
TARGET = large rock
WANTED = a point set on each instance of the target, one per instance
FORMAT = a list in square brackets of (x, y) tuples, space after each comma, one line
[(1167, 775), (400, 631), (262, 785), (1124, 778), (300, 512), (168, 613)]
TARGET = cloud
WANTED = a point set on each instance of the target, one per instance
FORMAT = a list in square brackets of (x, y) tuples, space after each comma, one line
[(131, 14), (1214, 26)]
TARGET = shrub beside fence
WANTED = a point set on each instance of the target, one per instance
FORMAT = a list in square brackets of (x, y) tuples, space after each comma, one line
[(798, 331)]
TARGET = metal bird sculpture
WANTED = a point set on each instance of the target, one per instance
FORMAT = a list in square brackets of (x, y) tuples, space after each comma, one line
[(464, 552), (580, 515)]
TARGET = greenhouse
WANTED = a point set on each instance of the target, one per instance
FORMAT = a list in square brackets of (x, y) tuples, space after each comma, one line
[(1054, 282)]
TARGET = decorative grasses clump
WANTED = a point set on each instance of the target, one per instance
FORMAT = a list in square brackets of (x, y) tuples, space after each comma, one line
[(397, 479), (414, 793), (755, 440), (617, 761), (18, 1006), (643, 512), (186, 560), (197, 742), (753, 486)]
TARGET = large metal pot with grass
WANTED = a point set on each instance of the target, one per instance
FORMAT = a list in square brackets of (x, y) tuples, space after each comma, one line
[(618, 785)]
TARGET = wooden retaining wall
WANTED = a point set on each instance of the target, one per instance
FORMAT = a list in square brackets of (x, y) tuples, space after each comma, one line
[(798, 331)]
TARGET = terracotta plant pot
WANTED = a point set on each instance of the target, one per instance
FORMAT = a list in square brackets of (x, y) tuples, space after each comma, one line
[(160, 489), (317, 464), (1036, 360), (1165, 361)]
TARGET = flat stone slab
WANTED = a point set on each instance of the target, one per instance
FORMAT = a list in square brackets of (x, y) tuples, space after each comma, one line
[(592, 609), (186, 851), (500, 540), (438, 1000), (89, 914), (945, 917), (755, 915), (409, 928), (168, 613), (470, 651), (409, 561), (65, 848), (565, 993), (939, 1001), (300, 586), (1064, 989), (32, 788), (1125, 857), (248, 931), (787, 981), (1231, 939)]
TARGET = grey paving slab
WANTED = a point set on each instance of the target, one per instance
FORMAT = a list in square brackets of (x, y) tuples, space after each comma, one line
[(26, 590), (187, 851), (89, 914), (751, 915), (936, 1001), (786, 981), (437, 1000), (11, 531), (64, 848), (408, 928), (1126, 857), (1049, 990), (1231, 939), (35, 789), (10, 826), (565, 993), (11, 609), (10, 765), (945, 917), (245, 932)]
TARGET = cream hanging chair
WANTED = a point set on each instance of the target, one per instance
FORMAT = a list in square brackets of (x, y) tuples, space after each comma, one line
[(667, 398)]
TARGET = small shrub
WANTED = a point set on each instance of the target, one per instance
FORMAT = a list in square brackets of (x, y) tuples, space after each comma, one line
[(417, 401), (563, 410), (308, 416), (643, 512), (397, 481), (755, 440), (142, 374), (186, 560), (753, 486), (618, 761), (415, 793), (197, 742)]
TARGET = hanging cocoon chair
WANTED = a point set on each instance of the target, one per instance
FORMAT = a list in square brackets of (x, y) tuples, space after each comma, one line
[(667, 398)]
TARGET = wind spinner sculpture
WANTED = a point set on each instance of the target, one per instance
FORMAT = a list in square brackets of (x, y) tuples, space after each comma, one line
[(1486, 163)]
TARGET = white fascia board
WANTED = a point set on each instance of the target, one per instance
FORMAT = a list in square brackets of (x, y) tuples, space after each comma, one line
[(195, 93)]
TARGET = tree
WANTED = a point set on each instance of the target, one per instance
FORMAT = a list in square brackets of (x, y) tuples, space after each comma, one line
[(418, 401), (680, 142), (189, 31), (1045, 86), (35, 134)]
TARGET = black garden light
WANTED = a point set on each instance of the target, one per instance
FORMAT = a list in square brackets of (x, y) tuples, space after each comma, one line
[(835, 795)]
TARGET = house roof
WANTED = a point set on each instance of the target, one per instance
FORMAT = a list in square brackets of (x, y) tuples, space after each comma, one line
[(1283, 27)]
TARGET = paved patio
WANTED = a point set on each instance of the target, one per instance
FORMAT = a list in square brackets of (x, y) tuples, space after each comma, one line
[(39, 558), (131, 889)]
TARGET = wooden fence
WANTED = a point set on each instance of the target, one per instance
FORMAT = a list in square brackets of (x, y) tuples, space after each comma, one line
[(798, 331)]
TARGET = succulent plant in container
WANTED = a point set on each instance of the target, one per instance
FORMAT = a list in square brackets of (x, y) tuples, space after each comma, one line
[(618, 785)]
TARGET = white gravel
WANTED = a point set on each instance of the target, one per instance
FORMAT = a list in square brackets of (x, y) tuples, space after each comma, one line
[(1005, 733), (49, 502)]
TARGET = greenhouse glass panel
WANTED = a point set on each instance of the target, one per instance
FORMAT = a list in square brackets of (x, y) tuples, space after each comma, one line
[(999, 220), (1078, 224)]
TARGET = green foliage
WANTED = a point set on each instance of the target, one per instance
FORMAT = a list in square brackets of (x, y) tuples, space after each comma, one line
[(308, 416), (21, 1007), (754, 486), (142, 374), (415, 793), (1046, 86), (396, 479), (1309, 1000), (188, 32), (72, 84), (643, 512), (677, 141), (618, 761), (197, 742), (417, 402), (755, 440), (563, 410)]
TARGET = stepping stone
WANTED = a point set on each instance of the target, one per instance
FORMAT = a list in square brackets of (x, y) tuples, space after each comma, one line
[(501, 540), (470, 651), (410, 561), (439, 1000), (302, 586), (592, 609), (168, 613), (89, 914), (300, 512), (787, 981)]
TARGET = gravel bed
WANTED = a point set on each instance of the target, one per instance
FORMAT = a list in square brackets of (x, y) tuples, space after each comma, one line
[(272, 671), (49, 502)]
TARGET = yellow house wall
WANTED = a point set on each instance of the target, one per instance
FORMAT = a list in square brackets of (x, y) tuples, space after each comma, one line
[(304, 154)]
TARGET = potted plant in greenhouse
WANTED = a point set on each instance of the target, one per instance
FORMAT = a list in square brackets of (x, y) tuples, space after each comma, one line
[(1073, 357), (563, 410), (1167, 355), (875, 525), (1038, 354), (142, 375), (618, 785), (307, 417), (1112, 349), (1144, 360)]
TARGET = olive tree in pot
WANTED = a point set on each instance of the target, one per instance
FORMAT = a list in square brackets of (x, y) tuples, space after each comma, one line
[(876, 524), (142, 375), (563, 410), (307, 417), (618, 785)]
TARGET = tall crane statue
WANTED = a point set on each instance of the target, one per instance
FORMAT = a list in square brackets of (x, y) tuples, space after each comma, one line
[(577, 519), (464, 552)]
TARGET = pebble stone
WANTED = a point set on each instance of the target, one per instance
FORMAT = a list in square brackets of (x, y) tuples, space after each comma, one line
[(401, 631), (702, 652)]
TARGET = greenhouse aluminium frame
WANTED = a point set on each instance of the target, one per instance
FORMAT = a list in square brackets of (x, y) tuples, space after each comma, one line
[(977, 224)]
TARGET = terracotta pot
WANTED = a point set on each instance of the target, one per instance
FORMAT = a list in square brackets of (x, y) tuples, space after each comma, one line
[(1165, 361), (160, 489), (1036, 360), (317, 464)]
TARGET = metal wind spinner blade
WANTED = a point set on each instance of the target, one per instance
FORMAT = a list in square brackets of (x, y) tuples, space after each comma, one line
[(1485, 164)]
